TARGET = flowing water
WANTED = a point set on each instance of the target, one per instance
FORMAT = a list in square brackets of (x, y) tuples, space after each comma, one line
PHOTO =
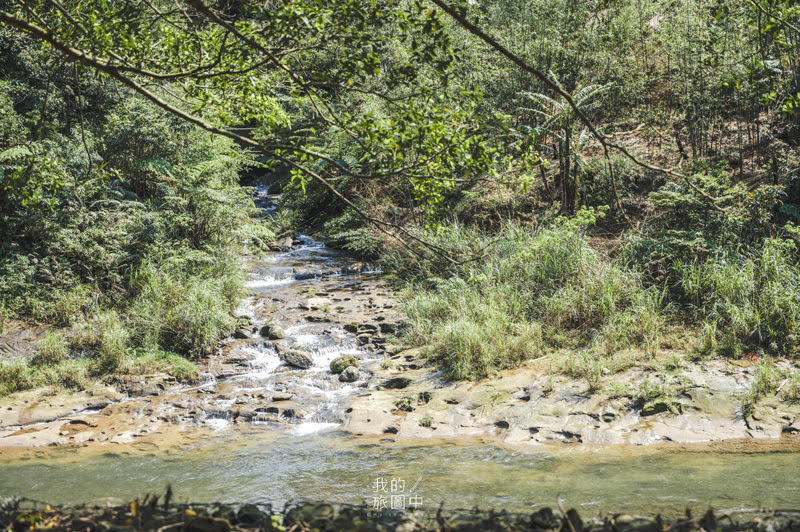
[(308, 458)]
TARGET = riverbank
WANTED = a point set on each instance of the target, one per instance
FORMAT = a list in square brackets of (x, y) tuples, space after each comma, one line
[(310, 305), (531, 405)]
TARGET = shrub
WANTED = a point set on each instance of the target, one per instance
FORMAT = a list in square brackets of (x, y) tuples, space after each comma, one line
[(143, 362), (184, 308)]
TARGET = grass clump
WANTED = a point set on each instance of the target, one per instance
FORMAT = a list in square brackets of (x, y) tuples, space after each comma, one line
[(53, 349), (750, 303), (185, 309), (19, 374), (529, 290), (766, 380)]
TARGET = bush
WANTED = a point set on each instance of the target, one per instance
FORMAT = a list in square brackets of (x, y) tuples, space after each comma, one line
[(185, 307), (143, 362)]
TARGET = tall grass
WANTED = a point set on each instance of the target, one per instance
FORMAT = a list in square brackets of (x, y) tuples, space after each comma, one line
[(491, 312), (751, 303), (184, 306)]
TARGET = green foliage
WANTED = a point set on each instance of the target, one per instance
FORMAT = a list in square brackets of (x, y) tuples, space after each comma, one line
[(426, 421), (53, 349), (185, 305), (346, 231), (18, 375), (765, 381), (689, 226), (117, 220), (492, 312), (754, 302)]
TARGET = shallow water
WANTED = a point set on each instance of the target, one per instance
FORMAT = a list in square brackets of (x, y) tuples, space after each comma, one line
[(334, 467)]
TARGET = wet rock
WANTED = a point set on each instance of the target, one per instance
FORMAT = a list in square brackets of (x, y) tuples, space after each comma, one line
[(241, 334), (367, 329), (350, 374), (302, 274), (387, 328), (397, 383), (351, 327), (339, 364), (363, 339), (243, 320), (318, 319), (297, 358), (283, 244), (273, 331)]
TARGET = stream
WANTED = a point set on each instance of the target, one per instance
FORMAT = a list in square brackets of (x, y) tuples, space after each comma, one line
[(250, 454)]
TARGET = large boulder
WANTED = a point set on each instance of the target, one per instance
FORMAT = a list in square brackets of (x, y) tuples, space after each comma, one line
[(273, 331), (339, 364), (297, 358)]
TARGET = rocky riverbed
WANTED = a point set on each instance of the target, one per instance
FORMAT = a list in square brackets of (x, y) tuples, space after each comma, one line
[(318, 347), (406, 399)]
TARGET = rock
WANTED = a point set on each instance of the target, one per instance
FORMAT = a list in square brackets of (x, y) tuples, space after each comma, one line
[(660, 405), (339, 364), (367, 328), (350, 374), (279, 396), (363, 339), (387, 328), (301, 274), (283, 244), (241, 334), (243, 322), (318, 319), (273, 331), (397, 383), (315, 303), (297, 358)]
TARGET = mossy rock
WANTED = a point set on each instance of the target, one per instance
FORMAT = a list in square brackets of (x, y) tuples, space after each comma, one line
[(339, 364), (661, 405), (273, 331)]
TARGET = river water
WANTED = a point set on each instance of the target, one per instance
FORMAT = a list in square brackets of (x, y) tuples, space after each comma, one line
[(262, 463), (337, 468)]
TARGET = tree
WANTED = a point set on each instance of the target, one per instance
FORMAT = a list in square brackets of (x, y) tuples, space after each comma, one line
[(333, 90), (559, 121), (330, 90)]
